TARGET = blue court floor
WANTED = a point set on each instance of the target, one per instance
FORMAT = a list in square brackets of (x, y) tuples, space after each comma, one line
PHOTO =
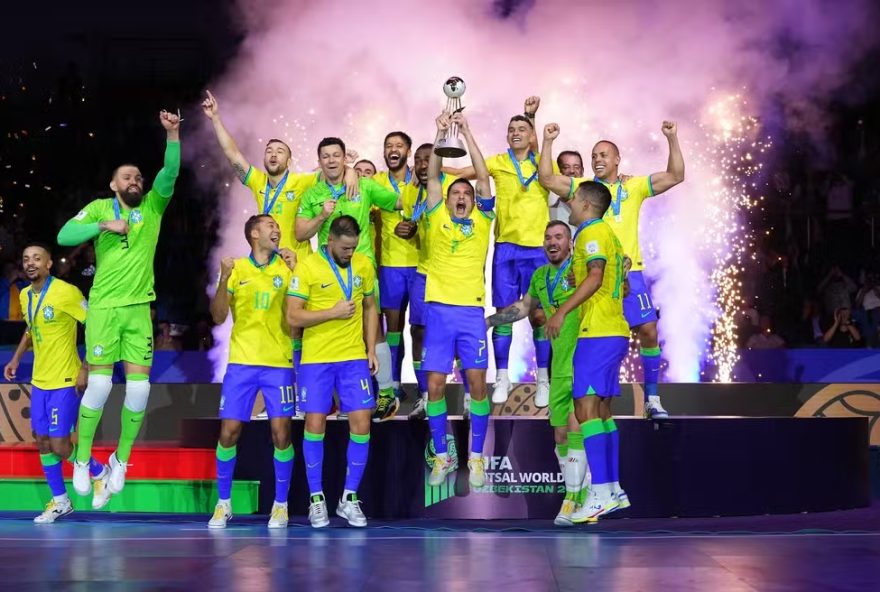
[(102, 552)]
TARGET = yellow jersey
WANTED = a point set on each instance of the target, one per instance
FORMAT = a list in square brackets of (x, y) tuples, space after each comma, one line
[(623, 213), (602, 314), (458, 257), (282, 202), (396, 251), (415, 198), (522, 214), (260, 333), (315, 280), (51, 318)]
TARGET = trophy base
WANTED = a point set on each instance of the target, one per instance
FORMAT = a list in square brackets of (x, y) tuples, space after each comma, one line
[(450, 148)]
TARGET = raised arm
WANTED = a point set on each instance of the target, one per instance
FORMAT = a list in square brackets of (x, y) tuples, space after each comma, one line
[(167, 175), (674, 173), (558, 184), (530, 109), (435, 186), (468, 172), (220, 302), (227, 143), (481, 172)]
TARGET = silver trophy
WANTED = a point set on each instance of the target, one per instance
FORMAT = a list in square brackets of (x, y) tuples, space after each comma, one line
[(451, 146)]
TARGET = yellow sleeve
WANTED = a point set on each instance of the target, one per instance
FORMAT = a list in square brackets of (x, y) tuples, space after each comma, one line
[(233, 278), (493, 163), (575, 183), (23, 303), (639, 188), (300, 281), (302, 182), (596, 246), (74, 303), (369, 279), (255, 180)]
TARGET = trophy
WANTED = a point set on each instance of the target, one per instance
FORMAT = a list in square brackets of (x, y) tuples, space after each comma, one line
[(451, 145)]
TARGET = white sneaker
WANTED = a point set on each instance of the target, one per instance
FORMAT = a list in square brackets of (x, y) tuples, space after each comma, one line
[(318, 512), (563, 518), (466, 405), (420, 409), (654, 410), (82, 481), (278, 518), (222, 515), (442, 468), (542, 393), (622, 499), (102, 490), (350, 509), (117, 474), (501, 390), (54, 510), (477, 468), (598, 504), (261, 415)]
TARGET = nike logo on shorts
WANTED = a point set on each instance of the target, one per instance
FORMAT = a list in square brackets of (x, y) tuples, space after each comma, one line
[(646, 314), (312, 466), (365, 401), (287, 409), (479, 361)]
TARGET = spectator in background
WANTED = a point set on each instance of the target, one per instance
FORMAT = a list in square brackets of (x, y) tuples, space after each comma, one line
[(164, 340), (808, 332), (12, 282), (82, 260), (836, 290), (867, 310), (842, 333), (765, 338)]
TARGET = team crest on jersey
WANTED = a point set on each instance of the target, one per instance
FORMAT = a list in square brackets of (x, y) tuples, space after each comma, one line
[(467, 229), (98, 351), (592, 247), (564, 285), (277, 281), (289, 195), (356, 198), (136, 217), (81, 215), (357, 281), (48, 313)]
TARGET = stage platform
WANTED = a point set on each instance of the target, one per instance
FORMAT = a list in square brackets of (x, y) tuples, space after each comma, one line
[(680, 467)]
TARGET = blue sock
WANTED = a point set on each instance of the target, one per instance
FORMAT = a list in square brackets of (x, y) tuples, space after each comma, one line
[(542, 348), (502, 338), (225, 468), (651, 368), (394, 340), (479, 423), (313, 453), (596, 445), (437, 423), (356, 460), (52, 469), (421, 376), (283, 460), (613, 449)]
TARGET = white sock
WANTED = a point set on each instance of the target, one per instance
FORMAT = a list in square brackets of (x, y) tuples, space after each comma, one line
[(227, 501), (501, 376), (577, 467), (473, 454), (383, 376), (279, 504), (60, 499), (542, 375), (444, 456)]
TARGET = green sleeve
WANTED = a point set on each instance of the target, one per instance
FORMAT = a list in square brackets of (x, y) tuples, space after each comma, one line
[(381, 197), (164, 183), (533, 287), (307, 205), (75, 233)]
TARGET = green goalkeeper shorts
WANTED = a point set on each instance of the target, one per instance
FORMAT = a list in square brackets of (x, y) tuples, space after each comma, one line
[(561, 400), (123, 333)]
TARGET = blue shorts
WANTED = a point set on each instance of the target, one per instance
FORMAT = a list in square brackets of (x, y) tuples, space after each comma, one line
[(394, 287), (241, 383), (638, 308), (597, 363), (417, 283), (454, 331), (512, 269), (350, 379), (54, 411)]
